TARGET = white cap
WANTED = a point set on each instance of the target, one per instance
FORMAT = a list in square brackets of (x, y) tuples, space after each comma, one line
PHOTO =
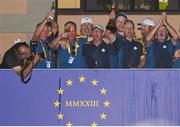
[(86, 19), (98, 26), (17, 41), (147, 22)]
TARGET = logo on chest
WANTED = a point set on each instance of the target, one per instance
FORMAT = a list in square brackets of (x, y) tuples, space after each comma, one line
[(135, 48), (164, 46), (103, 50)]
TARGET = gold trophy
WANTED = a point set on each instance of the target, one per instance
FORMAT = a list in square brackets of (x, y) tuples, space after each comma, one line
[(111, 24)]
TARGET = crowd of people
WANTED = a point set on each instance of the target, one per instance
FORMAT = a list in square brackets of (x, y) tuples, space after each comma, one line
[(96, 46)]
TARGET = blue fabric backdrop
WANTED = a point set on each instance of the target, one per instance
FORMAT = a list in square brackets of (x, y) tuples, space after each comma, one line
[(136, 97)]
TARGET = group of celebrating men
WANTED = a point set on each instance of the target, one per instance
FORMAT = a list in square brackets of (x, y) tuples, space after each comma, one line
[(96, 47)]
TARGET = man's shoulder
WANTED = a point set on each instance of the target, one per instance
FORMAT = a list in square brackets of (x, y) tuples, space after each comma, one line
[(104, 44), (120, 38), (88, 43), (37, 44), (138, 42), (81, 36), (34, 42), (82, 39)]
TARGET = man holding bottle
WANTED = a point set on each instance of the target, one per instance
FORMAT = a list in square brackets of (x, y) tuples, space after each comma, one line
[(45, 33)]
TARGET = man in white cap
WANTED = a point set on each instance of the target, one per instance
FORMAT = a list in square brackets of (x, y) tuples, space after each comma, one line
[(146, 26), (86, 26), (86, 29)]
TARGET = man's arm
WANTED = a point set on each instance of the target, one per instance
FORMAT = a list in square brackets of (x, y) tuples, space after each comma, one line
[(28, 69), (151, 34), (171, 30), (55, 42), (59, 40), (40, 26), (142, 61), (110, 37), (54, 27), (142, 56)]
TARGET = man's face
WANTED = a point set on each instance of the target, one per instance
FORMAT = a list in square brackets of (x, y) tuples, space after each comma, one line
[(162, 33), (44, 33), (86, 29), (25, 52), (120, 23), (128, 30), (97, 34), (72, 33), (145, 29)]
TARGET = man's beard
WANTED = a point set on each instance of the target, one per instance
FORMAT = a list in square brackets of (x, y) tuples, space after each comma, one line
[(86, 32)]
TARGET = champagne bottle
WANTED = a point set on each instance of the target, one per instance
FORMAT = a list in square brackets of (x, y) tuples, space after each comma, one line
[(53, 7), (53, 10)]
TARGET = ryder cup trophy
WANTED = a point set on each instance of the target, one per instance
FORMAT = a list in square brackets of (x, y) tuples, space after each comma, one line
[(111, 24)]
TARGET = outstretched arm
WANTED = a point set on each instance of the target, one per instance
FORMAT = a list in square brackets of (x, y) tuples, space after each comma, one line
[(40, 26), (151, 34), (171, 30), (60, 39), (109, 35)]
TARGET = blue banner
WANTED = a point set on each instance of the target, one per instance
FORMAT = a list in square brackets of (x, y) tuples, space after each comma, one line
[(91, 98)]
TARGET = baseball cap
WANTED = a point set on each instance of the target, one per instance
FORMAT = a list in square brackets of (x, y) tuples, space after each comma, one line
[(147, 22), (121, 14), (98, 26), (86, 19)]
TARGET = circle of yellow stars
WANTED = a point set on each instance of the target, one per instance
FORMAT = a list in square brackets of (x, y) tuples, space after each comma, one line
[(82, 80)]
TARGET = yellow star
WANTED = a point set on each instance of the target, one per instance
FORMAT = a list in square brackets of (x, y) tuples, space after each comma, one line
[(69, 82), (69, 124), (60, 116), (94, 124), (106, 103), (103, 116), (56, 104), (103, 91), (60, 91), (82, 79), (94, 82)]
